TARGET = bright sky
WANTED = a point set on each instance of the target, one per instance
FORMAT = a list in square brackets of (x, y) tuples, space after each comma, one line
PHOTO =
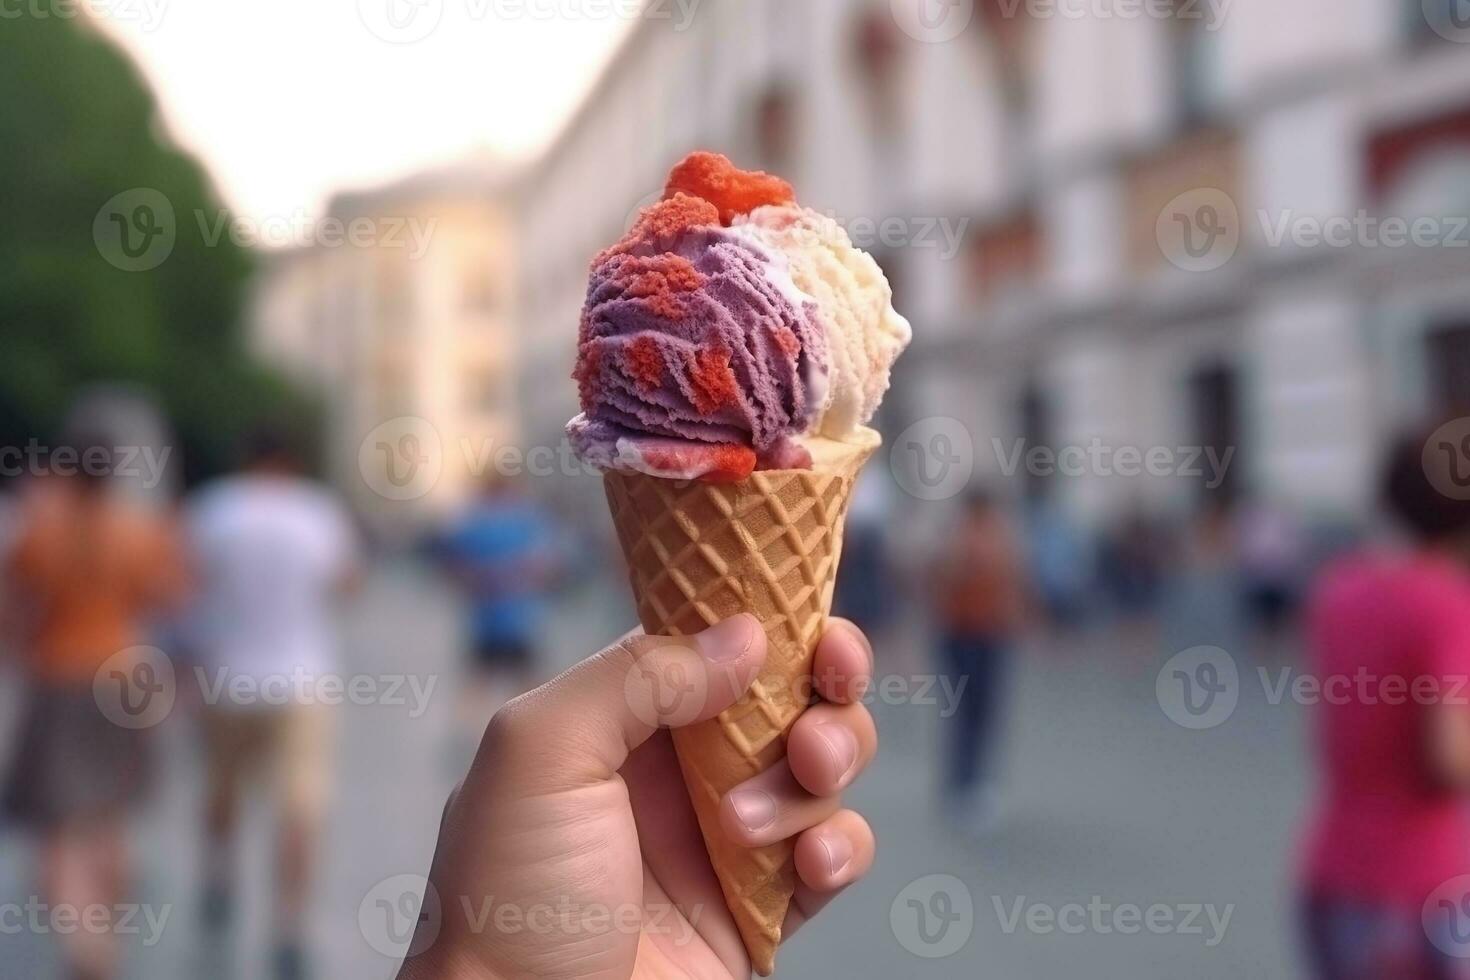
[(287, 101)]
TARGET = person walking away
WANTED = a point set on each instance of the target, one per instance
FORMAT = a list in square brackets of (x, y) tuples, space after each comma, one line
[(1389, 830), (273, 552), (87, 572), (981, 602)]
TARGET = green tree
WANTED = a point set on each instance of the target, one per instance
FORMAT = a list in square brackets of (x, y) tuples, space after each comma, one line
[(80, 126)]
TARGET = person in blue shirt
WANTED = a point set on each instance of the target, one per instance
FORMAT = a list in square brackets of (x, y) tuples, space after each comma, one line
[(502, 551)]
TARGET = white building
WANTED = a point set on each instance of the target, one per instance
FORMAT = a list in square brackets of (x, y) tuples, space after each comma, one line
[(1085, 146), (406, 330)]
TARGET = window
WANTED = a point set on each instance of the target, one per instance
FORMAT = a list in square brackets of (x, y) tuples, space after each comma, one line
[(1449, 367), (1193, 65), (1214, 401), (1034, 410)]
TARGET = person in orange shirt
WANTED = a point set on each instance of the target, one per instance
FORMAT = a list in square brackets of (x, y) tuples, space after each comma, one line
[(981, 602), (85, 571)]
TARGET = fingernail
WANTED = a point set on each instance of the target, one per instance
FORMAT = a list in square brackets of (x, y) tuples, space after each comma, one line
[(726, 642), (839, 853), (756, 809), (842, 747)]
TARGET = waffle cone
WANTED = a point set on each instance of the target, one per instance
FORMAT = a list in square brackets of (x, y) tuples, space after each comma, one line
[(699, 553)]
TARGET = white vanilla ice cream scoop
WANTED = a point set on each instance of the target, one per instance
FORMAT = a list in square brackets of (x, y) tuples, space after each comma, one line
[(864, 333)]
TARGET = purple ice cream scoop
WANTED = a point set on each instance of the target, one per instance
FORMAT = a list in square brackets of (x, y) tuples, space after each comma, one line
[(698, 356)]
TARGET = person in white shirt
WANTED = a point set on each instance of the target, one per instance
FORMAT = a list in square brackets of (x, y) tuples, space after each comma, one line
[(271, 551)]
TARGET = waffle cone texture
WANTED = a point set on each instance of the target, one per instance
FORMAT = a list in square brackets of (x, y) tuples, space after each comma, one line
[(699, 553)]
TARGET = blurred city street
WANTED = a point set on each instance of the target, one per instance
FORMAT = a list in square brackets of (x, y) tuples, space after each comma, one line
[(1105, 800), (330, 332)]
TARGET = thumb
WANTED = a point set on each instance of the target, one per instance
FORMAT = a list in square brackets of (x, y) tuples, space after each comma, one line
[(580, 727)]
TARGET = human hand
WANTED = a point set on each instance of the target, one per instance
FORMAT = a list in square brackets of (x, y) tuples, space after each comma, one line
[(571, 851)]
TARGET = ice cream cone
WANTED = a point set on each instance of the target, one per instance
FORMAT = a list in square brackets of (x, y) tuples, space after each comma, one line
[(701, 552)]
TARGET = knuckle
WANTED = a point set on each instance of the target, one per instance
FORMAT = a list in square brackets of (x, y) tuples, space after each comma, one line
[(510, 726)]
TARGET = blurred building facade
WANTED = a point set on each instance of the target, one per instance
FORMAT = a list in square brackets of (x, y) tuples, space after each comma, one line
[(415, 320), (1120, 174)]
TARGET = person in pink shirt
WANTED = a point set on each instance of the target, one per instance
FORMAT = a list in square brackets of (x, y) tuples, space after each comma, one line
[(1389, 637)]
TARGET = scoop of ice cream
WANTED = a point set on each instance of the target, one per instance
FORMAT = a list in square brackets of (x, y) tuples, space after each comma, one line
[(695, 333), (864, 333)]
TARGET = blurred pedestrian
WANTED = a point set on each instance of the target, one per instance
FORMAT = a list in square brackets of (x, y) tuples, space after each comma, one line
[(1390, 824), (865, 587), (1271, 549), (1061, 562), (1202, 603), (1131, 565), (273, 551), (88, 571), (503, 553), (981, 606)]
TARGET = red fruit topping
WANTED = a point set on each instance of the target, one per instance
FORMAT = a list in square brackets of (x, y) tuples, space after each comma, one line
[(660, 279), (589, 362), (714, 382), (713, 463), (786, 455), (659, 226), (645, 362), (732, 190), (787, 340)]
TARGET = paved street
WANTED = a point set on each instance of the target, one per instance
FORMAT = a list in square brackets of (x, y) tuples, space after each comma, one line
[(1107, 803)]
